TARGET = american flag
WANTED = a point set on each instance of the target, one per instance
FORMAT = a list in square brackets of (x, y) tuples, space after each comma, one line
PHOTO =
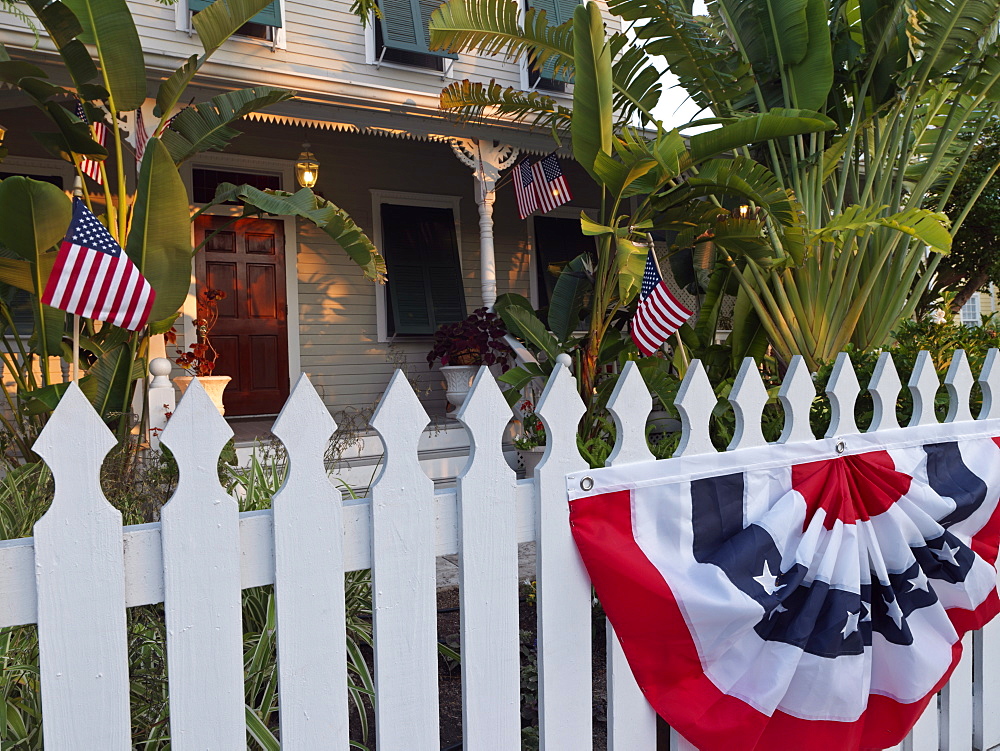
[(90, 167), (141, 137), (659, 314), (524, 188), (94, 278), (550, 184)]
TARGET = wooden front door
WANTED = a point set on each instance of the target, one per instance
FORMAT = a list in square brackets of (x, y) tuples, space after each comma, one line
[(247, 261)]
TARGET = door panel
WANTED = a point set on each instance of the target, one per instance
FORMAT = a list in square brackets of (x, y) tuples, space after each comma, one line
[(247, 261)]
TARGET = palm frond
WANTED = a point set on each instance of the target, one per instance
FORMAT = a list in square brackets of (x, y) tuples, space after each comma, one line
[(477, 101)]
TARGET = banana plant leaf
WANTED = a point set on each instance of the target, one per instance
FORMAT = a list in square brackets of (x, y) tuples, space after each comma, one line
[(108, 25), (765, 126), (159, 242), (572, 288), (330, 218), (593, 115), (205, 126), (36, 215)]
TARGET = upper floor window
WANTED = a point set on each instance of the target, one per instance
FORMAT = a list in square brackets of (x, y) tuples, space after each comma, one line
[(261, 26), (971, 312), (402, 35), (557, 12)]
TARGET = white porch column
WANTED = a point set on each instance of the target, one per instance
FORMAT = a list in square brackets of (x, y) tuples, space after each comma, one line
[(486, 159)]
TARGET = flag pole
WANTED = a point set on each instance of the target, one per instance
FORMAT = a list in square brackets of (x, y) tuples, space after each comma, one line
[(78, 193)]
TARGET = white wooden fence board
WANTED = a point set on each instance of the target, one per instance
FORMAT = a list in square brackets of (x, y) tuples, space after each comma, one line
[(955, 718), (309, 581), (631, 719), (487, 561), (565, 695), (201, 585), (403, 580), (986, 674), (83, 657), (144, 554), (924, 736)]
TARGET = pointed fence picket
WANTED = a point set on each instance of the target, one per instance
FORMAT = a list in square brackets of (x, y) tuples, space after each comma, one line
[(81, 571)]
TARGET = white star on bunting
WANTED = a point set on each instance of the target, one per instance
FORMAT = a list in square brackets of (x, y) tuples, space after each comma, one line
[(768, 581)]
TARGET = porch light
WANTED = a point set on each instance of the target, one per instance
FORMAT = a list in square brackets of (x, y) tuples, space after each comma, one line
[(744, 210), (306, 168), (3, 132)]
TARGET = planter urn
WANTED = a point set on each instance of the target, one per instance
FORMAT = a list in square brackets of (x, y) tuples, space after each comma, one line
[(214, 386), (459, 381)]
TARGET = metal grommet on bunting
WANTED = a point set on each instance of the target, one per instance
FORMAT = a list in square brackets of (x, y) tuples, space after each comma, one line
[(841, 446), (587, 484)]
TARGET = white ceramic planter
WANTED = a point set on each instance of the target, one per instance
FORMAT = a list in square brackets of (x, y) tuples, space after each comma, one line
[(459, 380), (214, 386)]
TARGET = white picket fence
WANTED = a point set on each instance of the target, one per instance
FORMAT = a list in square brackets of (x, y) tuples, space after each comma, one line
[(78, 574)]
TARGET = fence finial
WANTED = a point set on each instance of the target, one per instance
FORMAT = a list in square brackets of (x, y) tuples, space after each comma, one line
[(842, 389), (796, 396), (884, 388), (923, 385), (989, 382), (630, 405), (695, 402), (958, 382), (748, 397)]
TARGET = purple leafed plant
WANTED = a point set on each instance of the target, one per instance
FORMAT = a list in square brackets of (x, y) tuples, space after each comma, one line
[(476, 340)]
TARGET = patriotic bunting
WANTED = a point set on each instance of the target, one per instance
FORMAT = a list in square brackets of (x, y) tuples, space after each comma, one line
[(815, 601), (659, 313), (91, 167), (94, 278)]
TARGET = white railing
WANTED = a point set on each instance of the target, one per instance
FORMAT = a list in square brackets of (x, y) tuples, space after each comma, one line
[(82, 569)]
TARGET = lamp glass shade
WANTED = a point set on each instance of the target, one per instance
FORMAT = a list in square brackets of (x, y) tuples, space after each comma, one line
[(307, 169)]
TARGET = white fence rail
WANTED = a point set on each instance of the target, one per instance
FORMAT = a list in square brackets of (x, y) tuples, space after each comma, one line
[(82, 569)]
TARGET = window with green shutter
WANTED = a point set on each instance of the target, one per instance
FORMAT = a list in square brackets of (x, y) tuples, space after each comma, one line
[(425, 279), (557, 12), (404, 28), (270, 16)]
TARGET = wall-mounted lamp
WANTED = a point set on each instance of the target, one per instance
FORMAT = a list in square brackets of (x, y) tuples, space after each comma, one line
[(3, 132), (306, 168), (744, 210)]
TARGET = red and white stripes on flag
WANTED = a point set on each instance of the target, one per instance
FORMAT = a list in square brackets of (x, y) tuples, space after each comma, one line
[(550, 184), (90, 167), (141, 137), (94, 278), (524, 188), (659, 313)]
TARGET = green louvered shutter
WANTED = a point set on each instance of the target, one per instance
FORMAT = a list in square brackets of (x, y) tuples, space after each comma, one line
[(270, 16), (557, 12), (406, 25), (421, 254)]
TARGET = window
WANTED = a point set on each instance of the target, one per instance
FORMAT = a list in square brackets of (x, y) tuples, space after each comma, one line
[(205, 181), (425, 287), (970, 311), (557, 12), (261, 26), (402, 35)]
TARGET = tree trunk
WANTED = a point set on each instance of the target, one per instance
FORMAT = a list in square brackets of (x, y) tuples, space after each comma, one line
[(972, 286)]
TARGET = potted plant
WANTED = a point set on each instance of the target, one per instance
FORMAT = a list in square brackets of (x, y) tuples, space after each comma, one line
[(530, 440), (200, 360), (465, 345)]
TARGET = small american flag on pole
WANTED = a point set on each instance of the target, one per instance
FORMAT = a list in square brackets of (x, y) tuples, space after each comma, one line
[(141, 137), (550, 184), (524, 188), (90, 167), (94, 278), (659, 314)]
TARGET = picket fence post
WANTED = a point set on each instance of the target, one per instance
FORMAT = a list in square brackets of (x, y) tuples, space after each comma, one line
[(403, 579), (199, 530), (564, 606), (487, 570), (309, 581), (631, 719), (80, 580)]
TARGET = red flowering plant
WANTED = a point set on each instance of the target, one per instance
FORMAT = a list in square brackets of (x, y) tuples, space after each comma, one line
[(532, 430), (476, 340), (200, 360)]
